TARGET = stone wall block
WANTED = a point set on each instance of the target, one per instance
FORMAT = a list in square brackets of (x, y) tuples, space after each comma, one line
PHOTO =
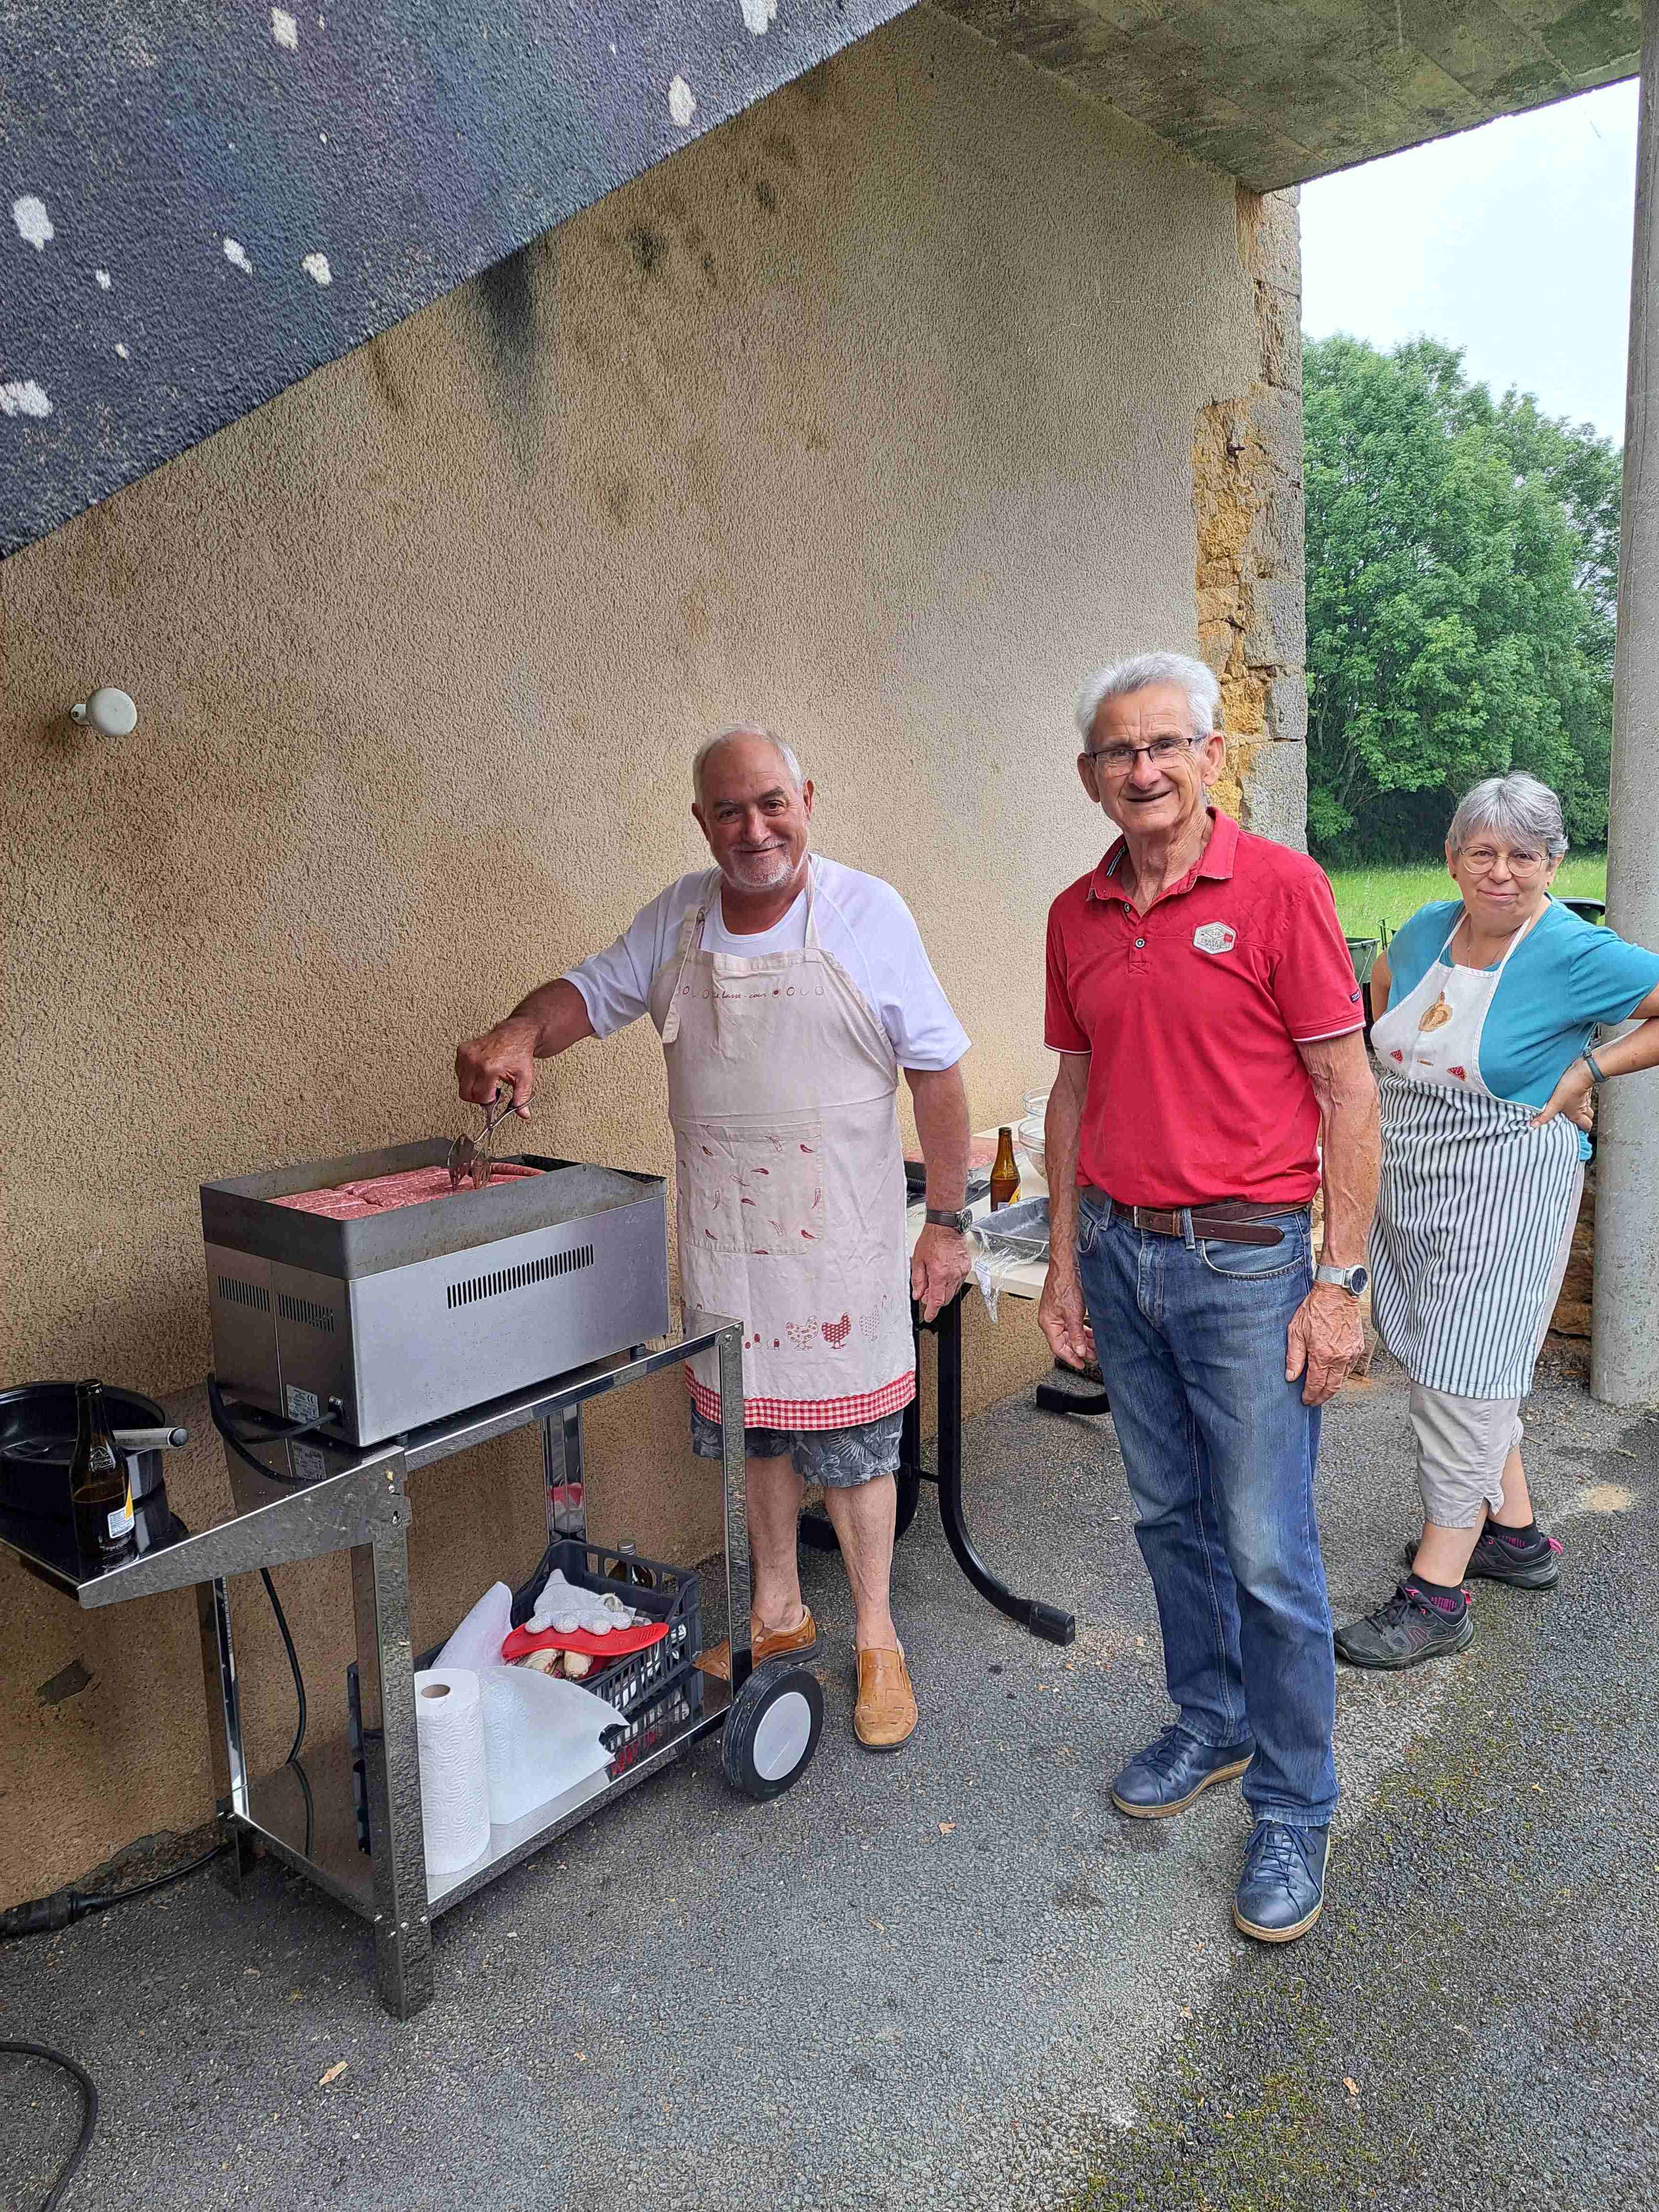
[(1279, 315), (1276, 795), (1244, 703), (1287, 710), (1276, 418), (1277, 540), (1271, 238), (1277, 633)]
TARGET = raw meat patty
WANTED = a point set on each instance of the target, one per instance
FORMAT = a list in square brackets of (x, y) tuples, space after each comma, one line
[(350, 1202)]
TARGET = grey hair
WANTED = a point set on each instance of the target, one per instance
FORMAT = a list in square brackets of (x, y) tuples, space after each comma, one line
[(1143, 670), (710, 745), (1515, 804)]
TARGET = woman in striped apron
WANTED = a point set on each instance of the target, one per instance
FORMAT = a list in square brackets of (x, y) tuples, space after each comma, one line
[(1489, 1078)]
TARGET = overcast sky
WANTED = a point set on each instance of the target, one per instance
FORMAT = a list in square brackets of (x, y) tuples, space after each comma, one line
[(1512, 241)]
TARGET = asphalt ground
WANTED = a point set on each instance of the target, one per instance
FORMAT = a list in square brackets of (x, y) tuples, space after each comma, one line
[(955, 1976)]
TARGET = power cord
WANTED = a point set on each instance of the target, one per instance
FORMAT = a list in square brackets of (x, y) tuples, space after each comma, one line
[(41, 1916), (293, 1663), (85, 2084), (275, 1432)]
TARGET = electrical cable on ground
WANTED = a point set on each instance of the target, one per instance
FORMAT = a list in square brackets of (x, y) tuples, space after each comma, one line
[(41, 1916), (88, 2089)]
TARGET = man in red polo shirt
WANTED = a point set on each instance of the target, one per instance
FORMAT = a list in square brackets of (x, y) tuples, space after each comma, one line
[(1213, 1066)]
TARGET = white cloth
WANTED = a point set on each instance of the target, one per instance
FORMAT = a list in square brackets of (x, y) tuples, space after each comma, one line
[(1432, 1034), (565, 1608), (862, 922), (790, 1180)]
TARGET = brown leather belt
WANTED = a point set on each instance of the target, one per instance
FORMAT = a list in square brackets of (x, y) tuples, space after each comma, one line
[(1214, 1220)]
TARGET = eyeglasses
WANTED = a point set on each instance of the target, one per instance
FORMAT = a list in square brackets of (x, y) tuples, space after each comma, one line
[(1118, 760), (1483, 859)]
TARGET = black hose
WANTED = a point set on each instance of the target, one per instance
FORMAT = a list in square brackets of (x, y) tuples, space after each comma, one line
[(293, 1663), (275, 1432), (88, 2089)]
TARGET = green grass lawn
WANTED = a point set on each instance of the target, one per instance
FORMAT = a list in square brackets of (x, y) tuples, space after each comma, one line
[(1365, 896)]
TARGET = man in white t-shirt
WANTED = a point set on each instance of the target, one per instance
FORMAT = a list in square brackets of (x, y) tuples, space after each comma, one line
[(788, 992)]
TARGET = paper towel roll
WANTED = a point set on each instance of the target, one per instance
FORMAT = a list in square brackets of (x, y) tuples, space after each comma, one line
[(454, 1783)]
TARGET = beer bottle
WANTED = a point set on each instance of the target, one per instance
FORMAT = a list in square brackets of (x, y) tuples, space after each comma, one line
[(629, 1568), (1005, 1175), (101, 1494)]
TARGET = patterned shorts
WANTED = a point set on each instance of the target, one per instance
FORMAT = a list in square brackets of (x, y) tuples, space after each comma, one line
[(838, 1459)]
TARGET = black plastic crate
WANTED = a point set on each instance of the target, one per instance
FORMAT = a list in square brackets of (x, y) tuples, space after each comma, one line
[(641, 1684), (655, 1692)]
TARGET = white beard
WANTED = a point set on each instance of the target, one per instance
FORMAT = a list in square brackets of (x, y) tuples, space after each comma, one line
[(759, 871)]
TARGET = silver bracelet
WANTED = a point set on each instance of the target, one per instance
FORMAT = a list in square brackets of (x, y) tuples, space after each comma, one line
[(1597, 1072)]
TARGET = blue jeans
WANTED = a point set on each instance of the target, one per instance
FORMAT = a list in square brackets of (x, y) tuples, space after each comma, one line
[(1219, 1450)]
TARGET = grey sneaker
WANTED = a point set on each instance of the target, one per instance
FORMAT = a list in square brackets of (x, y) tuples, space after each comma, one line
[(1410, 1628), (1498, 1557)]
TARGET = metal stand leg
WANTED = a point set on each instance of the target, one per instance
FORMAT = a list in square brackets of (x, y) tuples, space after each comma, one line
[(403, 1932), (1049, 1621), (561, 1463), (229, 1770), (735, 1471)]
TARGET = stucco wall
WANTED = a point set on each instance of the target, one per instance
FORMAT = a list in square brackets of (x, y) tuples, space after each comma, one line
[(869, 416)]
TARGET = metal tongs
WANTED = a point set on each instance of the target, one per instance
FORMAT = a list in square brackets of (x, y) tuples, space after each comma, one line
[(467, 1162)]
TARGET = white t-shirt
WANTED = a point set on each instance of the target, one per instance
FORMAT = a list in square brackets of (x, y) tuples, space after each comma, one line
[(861, 920)]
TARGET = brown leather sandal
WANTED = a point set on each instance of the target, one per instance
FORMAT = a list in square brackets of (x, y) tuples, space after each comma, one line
[(802, 1642), (886, 1715)]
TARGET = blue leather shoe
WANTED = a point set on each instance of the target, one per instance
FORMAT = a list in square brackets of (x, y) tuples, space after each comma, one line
[(1283, 1884), (1172, 1770)]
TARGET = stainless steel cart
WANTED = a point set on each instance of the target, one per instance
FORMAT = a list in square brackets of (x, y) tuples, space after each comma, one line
[(312, 1498)]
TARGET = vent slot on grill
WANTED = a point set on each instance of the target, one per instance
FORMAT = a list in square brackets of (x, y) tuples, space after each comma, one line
[(307, 1310), (245, 1294), (521, 1278)]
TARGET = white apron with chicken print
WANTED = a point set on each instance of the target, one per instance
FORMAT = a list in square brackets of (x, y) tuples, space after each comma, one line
[(791, 1194)]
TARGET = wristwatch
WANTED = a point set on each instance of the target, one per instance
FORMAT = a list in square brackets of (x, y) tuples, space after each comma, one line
[(1598, 1074), (939, 1217), (1351, 1279)]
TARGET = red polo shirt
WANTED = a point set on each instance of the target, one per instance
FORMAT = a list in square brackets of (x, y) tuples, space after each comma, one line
[(1192, 1014)]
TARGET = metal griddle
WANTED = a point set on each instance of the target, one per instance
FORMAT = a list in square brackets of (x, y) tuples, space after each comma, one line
[(380, 1325)]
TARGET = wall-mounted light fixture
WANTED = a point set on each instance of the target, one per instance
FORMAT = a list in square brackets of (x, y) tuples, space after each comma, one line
[(110, 712)]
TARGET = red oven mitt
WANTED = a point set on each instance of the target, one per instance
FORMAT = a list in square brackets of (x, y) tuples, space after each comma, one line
[(616, 1645)]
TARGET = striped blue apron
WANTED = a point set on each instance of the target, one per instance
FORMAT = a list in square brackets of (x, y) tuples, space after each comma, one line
[(1475, 1205), (1470, 1216)]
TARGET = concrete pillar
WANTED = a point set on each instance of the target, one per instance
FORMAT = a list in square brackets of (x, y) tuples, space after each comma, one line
[(1625, 1324)]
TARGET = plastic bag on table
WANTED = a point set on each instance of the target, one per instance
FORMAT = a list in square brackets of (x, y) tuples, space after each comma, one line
[(993, 1265)]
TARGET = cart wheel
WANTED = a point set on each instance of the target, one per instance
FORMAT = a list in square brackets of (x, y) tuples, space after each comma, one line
[(772, 1729), (817, 1534)]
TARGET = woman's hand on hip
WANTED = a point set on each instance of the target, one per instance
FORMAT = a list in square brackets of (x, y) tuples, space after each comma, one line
[(1573, 1095), (940, 1267), (1325, 1341)]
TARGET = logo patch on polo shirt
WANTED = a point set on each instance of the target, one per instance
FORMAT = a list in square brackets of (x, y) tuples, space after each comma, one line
[(1216, 937)]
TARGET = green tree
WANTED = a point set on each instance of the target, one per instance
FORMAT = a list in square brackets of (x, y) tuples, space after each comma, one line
[(1462, 571)]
